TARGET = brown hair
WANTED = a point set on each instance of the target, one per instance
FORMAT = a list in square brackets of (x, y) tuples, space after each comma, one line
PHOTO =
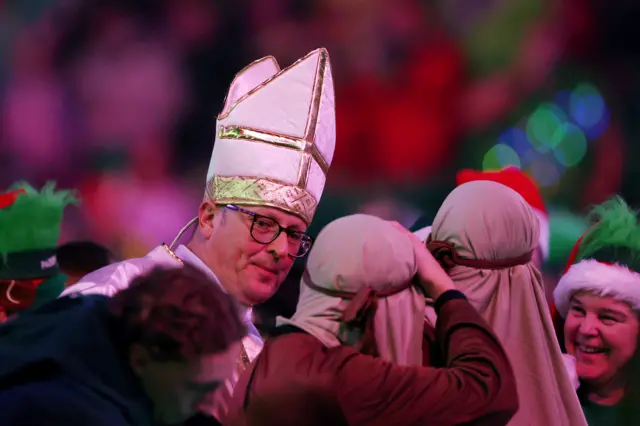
[(176, 314)]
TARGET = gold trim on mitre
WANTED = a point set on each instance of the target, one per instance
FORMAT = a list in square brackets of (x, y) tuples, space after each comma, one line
[(255, 191), (237, 76), (261, 191), (322, 64), (308, 148)]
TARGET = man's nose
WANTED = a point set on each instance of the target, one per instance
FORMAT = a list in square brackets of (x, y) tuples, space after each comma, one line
[(280, 246)]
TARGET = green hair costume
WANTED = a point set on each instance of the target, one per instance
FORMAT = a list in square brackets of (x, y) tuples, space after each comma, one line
[(606, 259), (615, 237), (30, 222)]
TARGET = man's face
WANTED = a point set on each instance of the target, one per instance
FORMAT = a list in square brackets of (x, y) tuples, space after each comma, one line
[(251, 271), (179, 390)]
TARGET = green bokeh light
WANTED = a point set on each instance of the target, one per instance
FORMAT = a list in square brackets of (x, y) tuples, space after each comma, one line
[(571, 146), (500, 156), (543, 125)]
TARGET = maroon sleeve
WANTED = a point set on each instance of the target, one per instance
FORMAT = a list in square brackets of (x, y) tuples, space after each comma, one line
[(477, 385)]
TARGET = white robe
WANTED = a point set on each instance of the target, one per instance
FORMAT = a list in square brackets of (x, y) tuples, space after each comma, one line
[(117, 276)]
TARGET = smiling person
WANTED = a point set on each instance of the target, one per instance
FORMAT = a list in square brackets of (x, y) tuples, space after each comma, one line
[(274, 143), (148, 356), (597, 300)]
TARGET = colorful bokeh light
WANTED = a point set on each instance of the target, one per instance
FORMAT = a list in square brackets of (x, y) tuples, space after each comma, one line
[(586, 106), (572, 145), (555, 135), (500, 156), (543, 124), (545, 170)]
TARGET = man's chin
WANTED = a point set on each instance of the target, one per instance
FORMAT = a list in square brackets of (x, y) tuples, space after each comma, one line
[(259, 285), (261, 295), (260, 290)]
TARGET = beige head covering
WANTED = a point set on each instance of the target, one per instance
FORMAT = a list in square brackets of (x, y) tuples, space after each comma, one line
[(351, 254), (486, 220)]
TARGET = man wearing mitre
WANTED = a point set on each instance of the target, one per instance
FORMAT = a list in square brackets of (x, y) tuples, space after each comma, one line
[(274, 143)]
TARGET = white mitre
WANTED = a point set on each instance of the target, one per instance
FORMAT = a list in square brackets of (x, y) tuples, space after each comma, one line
[(275, 136)]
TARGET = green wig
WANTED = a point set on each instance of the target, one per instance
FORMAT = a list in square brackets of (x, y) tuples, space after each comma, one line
[(606, 260), (614, 237), (30, 222)]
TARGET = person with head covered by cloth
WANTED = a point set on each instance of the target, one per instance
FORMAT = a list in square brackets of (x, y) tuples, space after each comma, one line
[(274, 143), (357, 335), (485, 235), (514, 178)]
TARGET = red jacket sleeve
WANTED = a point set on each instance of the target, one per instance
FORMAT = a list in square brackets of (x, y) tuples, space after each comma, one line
[(477, 385)]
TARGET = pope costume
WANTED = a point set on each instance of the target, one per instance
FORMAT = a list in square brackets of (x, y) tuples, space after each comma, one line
[(274, 143)]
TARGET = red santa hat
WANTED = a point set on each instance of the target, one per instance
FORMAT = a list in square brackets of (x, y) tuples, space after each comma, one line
[(605, 260), (524, 185)]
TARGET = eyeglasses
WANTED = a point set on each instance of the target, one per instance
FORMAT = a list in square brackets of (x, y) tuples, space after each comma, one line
[(265, 230)]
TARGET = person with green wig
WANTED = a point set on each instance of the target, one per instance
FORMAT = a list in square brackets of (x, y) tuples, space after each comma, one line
[(30, 222), (597, 315)]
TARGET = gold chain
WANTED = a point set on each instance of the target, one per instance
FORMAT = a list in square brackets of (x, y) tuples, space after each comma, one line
[(172, 254)]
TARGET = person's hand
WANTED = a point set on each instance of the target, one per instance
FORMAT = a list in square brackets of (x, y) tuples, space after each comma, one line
[(431, 277)]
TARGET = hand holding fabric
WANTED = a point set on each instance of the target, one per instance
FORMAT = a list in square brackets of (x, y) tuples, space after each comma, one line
[(431, 277)]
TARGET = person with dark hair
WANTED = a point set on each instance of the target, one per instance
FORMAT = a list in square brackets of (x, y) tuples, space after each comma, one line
[(150, 355), (79, 258)]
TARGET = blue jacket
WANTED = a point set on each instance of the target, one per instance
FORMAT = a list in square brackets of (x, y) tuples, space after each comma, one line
[(60, 365)]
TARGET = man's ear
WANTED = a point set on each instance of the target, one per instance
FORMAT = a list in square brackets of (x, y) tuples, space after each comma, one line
[(207, 213), (139, 358)]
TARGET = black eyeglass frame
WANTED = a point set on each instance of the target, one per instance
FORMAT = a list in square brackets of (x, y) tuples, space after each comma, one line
[(256, 216)]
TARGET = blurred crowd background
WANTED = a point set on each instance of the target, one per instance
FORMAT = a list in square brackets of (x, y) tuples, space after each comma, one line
[(118, 99)]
